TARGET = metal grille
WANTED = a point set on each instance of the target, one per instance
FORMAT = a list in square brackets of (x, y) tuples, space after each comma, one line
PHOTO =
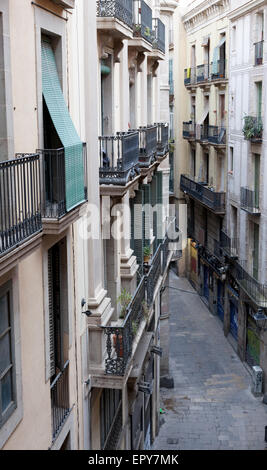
[(120, 9), (254, 289), (60, 400), (249, 200), (143, 20), (20, 200), (217, 135), (212, 199), (147, 145)]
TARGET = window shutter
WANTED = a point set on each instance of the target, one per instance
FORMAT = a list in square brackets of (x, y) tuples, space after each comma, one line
[(51, 316)]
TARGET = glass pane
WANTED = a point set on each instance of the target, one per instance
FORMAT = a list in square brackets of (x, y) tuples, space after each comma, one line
[(5, 358), (4, 323), (6, 389)]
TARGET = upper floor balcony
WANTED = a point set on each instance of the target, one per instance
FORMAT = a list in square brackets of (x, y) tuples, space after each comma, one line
[(189, 130), (256, 290), (20, 201), (253, 129), (119, 158), (203, 73), (229, 245), (249, 201), (60, 400), (116, 17), (190, 76), (206, 74), (158, 35), (148, 144), (142, 27), (217, 136), (206, 195), (63, 186), (258, 52), (65, 3), (218, 71)]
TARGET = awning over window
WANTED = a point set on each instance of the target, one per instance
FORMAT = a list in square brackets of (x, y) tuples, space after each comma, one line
[(52, 92), (204, 115)]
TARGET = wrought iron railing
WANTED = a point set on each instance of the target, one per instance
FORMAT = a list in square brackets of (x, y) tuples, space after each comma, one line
[(171, 180), (190, 76), (162, 138), (114, 434), (159, 35), (254, 289), (142, 20), (54, 182), (203, 73), (217, 135), (153, 275), (206, 195), (259, 52), (20, 200), (148, 140), (120, 9), (218, 70), (119, 158), (189, 130), (204, 132), (60, 403), (229, 245), (249, 200)]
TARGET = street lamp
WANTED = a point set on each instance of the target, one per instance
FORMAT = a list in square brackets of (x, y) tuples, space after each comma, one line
[(260, 319)]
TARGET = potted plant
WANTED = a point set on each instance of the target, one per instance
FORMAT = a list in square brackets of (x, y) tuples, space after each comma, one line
[(252, 128), (124, 299), (147, 32), (137, 29), (147, 253)]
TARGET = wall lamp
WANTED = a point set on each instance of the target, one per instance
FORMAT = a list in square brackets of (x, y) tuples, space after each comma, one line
[(88, 313), (260, 319)]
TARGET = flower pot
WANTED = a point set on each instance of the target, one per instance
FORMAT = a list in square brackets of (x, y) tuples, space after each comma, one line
[(146, 259)]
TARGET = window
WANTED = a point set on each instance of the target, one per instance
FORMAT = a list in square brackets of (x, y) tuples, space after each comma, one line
[(259, 98), (234, 38), (231, 160), (7, 366)]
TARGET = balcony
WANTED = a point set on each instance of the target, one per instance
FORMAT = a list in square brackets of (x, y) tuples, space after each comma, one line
[(142, 27), (115, 17), (60, 202), (190, 76), (258, 53), (218, 71), (249, 201), (20, 201), (158, 35), (202, 133), (120, 335), (162, 139), (217, 136), (65, 3), (229, 245), (203, 73), (215, 201), (253, 288), (60, 403), (148, 143), (119, 159), (253, 129), (189, 130)]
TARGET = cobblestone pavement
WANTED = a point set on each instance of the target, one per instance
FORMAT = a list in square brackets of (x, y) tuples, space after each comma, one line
[(211, 406)]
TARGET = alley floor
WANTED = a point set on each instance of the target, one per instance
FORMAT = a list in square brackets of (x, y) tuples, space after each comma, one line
[(211, 406)]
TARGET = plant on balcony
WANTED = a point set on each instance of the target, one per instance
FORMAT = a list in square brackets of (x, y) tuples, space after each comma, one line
[(124, 299), (147, 32), (137, 29), (147, 253), (252, 127), (134, 327)]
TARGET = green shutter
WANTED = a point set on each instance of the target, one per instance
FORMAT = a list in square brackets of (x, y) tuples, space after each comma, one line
[(53, 96), (138, 226)]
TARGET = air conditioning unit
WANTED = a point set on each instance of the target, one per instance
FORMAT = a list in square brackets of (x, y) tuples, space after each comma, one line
[(257, 376)]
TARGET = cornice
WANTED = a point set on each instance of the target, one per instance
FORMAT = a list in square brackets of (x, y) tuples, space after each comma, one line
[(168, 6), (246, 8), (206, 10)]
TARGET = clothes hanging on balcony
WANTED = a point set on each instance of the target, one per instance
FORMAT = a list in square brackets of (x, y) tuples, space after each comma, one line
[(54, 99)]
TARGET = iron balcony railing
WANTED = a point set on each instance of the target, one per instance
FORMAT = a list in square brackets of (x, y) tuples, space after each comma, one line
[(171, 180), (190, 76), (162, 138), (229, 245), (148, 141), (54, 182), (143, 20), (204, 194), (20, 200), (60, 403), (119, 339), (119, 9), (217, 135), (119, 158), (253, 288), (113, 438), (203, 73), (253, 128), (189, 130), (249, 200), (218, 70), (204, 133), (259, 52), (159, 35)]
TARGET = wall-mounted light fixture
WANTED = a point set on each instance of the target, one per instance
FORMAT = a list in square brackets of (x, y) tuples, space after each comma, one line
[(260, 319), (87, 312)]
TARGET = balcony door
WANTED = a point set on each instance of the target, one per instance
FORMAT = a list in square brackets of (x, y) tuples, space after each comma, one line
[(257, 179), (256, 251), (106, 96)]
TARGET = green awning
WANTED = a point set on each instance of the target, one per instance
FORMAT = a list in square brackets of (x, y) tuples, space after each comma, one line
[(52, 92)]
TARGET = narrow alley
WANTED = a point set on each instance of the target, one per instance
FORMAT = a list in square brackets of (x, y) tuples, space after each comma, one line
[(211, 406)]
